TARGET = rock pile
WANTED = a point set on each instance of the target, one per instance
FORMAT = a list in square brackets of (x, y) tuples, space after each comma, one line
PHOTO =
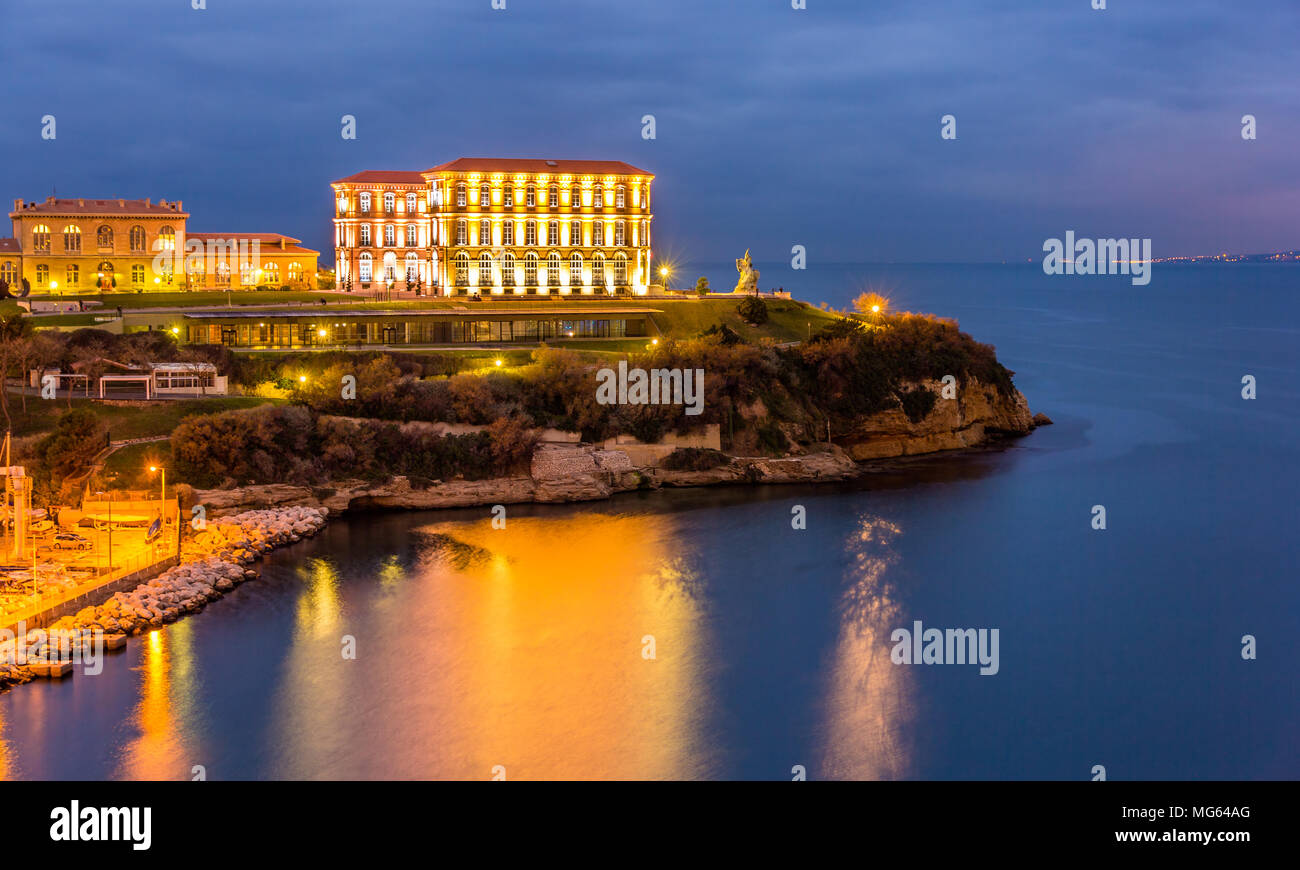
[(212, 565)]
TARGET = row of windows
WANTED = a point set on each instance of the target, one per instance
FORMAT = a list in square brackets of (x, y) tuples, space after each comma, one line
[(390, 236), (390, 202), (572, 196), (418, 332), (484, 235), (268, 274), (554, 268), (103, 238)]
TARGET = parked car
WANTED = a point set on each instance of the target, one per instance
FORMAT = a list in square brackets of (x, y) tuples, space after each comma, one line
[(69, 541)]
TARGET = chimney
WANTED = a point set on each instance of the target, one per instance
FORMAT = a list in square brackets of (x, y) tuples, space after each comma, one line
[(146, 200), (121, 203), (81, 203), (18, 205), (178, 206)]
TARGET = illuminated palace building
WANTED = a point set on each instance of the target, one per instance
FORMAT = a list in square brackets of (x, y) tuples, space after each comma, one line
[(82, 245), (496, 226)]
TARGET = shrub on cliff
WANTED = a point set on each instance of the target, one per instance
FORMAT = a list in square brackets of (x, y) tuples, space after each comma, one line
[(694, 459), (917, 404), (753, 310)]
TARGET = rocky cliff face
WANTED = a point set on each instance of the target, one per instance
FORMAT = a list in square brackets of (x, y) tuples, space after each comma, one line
[(978, 413), (566, 472)]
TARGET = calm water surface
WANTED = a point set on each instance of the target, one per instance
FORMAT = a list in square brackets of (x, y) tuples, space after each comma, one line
[(771, 646)]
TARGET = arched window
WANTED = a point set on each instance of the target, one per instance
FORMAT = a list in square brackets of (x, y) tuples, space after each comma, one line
[(598, 234), (137, 238), (532, 195), (104, 275), (530, 233), (462, 232), (553, 269), (462, 269), (366, 267), (484, 195), (390, 235), (508, 269), (553, 233), (620, 196), (412, 239), (598, 197), (484, 269), (412, 205), (508, 196), (575, 197), (553, 197), (485, 232), (295, 272), (575, 234), (104, 237), (530, 269), (575, 270), (42, 275), (8, 273), (166, 239), (41, 239), (598, 270), (270, 273), (365, 202), (137, 274), (196, 273), (390, 202), (412, 267), (72, 239), (74, 276), (460, 194), (620, 269), (508, 233)]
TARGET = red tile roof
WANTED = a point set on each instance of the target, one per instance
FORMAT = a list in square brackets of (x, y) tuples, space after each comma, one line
[(264, 240), (383, 176), (10, 246), (550, 167), (106, 207)]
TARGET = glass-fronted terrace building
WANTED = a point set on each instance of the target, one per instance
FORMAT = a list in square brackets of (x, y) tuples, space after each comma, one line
[(324, 328)]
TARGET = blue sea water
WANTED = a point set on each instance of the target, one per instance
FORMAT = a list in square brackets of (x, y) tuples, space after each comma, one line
[(696, 634)]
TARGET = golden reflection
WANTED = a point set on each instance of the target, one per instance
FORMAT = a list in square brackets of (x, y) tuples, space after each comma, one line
[(869, 704), (318, 607), (162, 750), (532, 659)]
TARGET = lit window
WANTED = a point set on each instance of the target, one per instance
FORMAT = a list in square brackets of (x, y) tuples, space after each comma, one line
[(365, 235), (598, 270), (484, 196), (365, 203), (390, 202), (508, 196), (104, 237), (460, 194), (575, 197), (553, 233), (137, 274), (530, 233), (462, 232), (295, 272), (72, 239), (598, 234), (270, 273), (8, 273), (532, 196), (508, 233), (74, 275), (575, 233), (462, 269), (412, 268), (575, 269), (620, 269), (42, 274), (620, 234), (508, 269), (166, 239), (553, 269), (411, 205), (484, 232), (553, 198), (411, 237), (598, 197), (619, 197), (366, 266), (41, 239), (484, 269), (530, 270), (137, 238), (390, 235)]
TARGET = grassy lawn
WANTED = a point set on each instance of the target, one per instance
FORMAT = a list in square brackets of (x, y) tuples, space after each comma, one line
[(787, 320), (128, 467), (123, 421)]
